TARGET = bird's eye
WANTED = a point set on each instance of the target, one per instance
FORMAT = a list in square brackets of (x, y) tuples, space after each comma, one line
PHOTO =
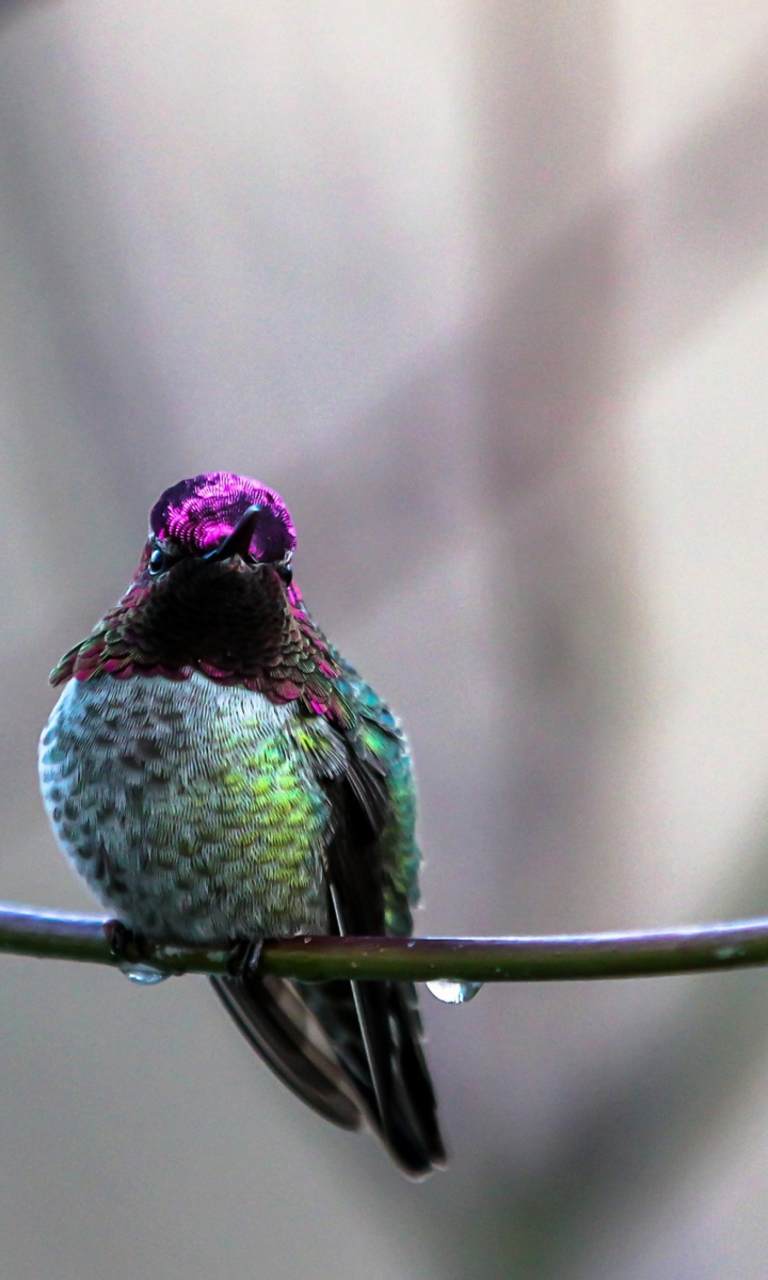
[(157, 561), (286, 573)]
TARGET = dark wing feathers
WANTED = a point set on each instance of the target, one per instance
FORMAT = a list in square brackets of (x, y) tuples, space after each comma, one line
[(352, 1051), (272, 1015), (390, 1030)]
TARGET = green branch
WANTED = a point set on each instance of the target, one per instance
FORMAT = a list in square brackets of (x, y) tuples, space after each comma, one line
[(60, 936)]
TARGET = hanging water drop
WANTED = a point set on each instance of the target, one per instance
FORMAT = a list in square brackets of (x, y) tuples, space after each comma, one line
[(452, 991), (144, 974)]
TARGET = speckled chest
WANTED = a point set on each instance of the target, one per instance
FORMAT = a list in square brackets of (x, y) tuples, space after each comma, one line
[(188, 806)]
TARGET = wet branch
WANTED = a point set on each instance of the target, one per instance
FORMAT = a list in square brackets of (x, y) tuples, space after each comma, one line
[(60, 936)]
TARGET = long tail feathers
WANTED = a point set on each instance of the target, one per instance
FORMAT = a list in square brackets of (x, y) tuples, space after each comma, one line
[(275, 1020), (351, 1051)]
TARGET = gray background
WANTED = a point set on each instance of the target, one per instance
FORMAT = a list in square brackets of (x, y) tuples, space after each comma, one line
[(482, 288)]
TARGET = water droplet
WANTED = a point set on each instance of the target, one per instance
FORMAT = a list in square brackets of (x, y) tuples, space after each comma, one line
[(144, 974), (451, 991)]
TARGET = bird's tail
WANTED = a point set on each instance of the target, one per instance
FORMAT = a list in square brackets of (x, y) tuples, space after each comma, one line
[(351, 1051)]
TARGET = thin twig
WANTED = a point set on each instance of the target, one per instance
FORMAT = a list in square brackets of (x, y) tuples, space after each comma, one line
[(61, 936)]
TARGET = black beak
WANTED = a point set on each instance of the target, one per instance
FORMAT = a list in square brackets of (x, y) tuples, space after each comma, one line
[(239, 540)]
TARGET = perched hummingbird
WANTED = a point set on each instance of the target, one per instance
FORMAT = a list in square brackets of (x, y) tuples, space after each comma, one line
[(215, 770)]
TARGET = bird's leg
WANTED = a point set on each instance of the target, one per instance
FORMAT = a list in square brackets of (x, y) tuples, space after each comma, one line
[(245, 957), (123, 942), (126, 946)]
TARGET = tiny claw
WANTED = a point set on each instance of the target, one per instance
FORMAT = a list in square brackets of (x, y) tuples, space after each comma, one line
[(123, 942), (126, 947), (245, 957)]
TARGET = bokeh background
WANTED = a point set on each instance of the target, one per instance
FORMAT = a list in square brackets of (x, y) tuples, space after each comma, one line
[(482, 288)]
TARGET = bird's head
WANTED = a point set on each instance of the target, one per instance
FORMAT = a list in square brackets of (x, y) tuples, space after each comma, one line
[(218, 520), (213, 593)]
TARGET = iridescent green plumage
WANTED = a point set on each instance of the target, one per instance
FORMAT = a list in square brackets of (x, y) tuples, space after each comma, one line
[(216, 771)]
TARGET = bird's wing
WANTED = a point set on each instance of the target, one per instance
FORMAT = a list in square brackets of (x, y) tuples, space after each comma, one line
[(352, 1051), (274, 1017), (385, 1058)]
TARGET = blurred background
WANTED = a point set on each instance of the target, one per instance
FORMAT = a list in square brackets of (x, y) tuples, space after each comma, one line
[(482, 289)]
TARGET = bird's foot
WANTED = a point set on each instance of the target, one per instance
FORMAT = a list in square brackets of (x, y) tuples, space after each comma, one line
[(127, 949), (245, 957), (123, 942)]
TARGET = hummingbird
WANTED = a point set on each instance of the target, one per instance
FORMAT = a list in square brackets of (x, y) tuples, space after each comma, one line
[(217, 772)]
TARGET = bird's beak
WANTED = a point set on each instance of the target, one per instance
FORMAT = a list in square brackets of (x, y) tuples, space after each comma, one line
[(239, 540)]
